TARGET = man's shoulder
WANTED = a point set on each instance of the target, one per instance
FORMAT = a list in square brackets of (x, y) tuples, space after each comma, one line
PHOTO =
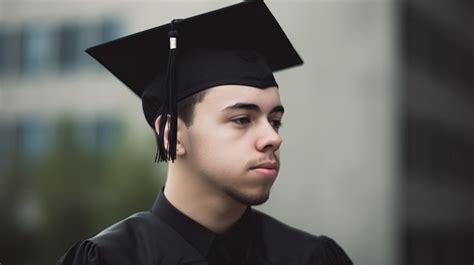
[(137, 238), (130, 231), (116, 244), (142, 238), (278, 241)]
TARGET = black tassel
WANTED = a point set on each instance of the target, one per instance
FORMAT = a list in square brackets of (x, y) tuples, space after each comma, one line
[(169, 110)]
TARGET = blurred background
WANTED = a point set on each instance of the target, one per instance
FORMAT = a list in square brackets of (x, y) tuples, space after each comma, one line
[(378, 132)]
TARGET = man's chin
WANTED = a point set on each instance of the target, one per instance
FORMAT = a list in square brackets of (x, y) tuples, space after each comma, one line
[(248, 198)]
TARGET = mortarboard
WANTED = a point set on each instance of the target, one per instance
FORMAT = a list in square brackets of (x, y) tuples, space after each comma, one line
[(240, 44)]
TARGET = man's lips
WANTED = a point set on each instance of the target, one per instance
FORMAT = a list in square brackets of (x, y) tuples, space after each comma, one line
[(266, 168), (267, 165)]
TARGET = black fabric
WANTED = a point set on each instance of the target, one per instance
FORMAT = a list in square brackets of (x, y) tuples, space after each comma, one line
[(140, 58), (198, 69), (235, 242), (147, 239)]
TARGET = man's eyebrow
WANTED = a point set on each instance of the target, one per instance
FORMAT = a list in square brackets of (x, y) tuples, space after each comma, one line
[(246, 106), (253, 107), (278, 108)]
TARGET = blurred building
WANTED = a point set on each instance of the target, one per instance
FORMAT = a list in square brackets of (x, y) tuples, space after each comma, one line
[(45, 77), (378, 138)]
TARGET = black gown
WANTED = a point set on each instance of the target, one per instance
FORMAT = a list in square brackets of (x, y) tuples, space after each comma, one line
[(165, 236)]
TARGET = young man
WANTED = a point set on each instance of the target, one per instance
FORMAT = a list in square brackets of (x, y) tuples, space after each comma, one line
[(215, 108)]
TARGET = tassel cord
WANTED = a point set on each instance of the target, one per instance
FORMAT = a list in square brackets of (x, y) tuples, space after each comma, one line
[(169, 113)]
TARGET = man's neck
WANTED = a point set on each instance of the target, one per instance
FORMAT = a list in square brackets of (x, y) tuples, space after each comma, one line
[(215, 211)]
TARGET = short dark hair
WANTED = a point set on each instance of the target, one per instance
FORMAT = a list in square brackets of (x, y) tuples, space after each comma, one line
[(185, 113), (186, 107)]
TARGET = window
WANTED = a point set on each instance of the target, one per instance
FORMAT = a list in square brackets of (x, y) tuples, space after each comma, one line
[(69, 39), (10, 52), (110, 29), (107, 134), (97, 135), (34, 138), (3, 61), (7, 134), (37, 46)]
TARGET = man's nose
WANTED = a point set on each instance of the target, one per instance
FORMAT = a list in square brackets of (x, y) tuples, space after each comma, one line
[(269, 138)]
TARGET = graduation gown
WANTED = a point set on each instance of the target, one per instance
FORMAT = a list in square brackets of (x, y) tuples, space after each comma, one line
[(165, 236)]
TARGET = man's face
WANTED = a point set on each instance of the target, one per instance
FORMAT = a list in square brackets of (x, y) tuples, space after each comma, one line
[(233, 143)]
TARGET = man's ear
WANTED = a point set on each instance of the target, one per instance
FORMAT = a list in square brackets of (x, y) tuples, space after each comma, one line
[(180, 143), (166, 132), (180, 149)]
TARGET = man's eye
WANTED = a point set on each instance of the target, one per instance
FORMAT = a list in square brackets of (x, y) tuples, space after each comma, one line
[(241, 120), (276, 124)]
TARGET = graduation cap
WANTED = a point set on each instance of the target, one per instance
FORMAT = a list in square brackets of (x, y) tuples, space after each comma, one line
[(242, 44)]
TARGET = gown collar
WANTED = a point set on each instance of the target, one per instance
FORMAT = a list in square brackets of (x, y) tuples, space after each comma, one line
[(238, 238)]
